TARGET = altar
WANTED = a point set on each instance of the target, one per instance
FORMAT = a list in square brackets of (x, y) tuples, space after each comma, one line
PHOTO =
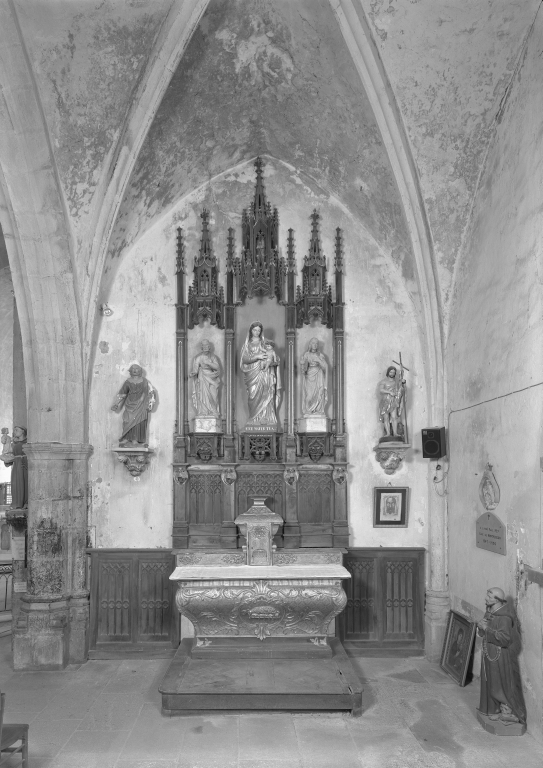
[(260, 474)]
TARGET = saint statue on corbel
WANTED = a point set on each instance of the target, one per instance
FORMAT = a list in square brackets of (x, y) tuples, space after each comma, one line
[(393, 444)]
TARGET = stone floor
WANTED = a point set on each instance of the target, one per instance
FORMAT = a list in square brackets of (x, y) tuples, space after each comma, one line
[(106, 714)]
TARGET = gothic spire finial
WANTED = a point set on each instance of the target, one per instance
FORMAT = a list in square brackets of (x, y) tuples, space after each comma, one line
[(315, 256), (206, 250), (180, 266), (230, 250), (291, 261), (260, 193), (339, 251)]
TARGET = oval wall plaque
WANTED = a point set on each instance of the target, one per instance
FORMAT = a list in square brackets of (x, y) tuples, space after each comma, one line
[(490, 533)]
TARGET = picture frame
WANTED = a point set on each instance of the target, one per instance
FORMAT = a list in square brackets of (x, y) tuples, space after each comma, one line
[(457, 646), (390, 507)]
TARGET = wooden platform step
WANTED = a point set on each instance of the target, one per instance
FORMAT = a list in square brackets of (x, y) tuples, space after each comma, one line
[(194, 685)]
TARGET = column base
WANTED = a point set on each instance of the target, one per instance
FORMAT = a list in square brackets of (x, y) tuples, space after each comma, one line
[(50, 633), (435, 623), (78, 641)]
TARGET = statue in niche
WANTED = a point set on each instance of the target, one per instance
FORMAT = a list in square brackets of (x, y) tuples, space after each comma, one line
[(5, 440), (137, 396), (392, 405), (205, 376), (262, 377), (17, 459), (501, 690), (315, 377)]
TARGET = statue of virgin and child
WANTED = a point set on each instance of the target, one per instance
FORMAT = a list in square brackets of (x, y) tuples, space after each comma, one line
[(262, 376)]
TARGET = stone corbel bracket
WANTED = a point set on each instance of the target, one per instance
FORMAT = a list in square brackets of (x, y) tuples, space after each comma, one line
[(135, 459), (18, 520), (180, 473), (390, 455)]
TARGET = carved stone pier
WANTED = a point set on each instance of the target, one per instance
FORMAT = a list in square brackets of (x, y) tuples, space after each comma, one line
[(51, 627)]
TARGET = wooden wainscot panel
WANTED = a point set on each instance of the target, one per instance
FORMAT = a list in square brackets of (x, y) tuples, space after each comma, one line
[(385, 599), (132, 603)]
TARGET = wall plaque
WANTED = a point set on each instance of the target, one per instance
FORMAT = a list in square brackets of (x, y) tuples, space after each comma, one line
[(490, 533), (18, 547)]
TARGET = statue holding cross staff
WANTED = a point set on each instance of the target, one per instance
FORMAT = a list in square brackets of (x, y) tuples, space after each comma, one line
[(392, 403)]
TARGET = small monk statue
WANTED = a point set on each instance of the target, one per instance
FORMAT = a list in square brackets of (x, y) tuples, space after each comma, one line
[(501, 691)]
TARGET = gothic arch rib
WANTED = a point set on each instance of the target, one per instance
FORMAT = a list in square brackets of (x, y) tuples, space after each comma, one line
[(40, 249), (176, 32), (358, 38)]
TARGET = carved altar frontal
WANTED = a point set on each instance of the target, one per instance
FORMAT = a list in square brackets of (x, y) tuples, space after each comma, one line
[(295, 601)]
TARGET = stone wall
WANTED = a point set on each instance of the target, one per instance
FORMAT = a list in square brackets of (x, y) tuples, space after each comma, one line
[(380, 321), (495, 370)]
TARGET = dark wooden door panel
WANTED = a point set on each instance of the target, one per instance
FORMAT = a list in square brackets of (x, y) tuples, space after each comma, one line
[(400, 579), (132, 597), (154, 600), (385, 598), (360, 613), (114, 595)]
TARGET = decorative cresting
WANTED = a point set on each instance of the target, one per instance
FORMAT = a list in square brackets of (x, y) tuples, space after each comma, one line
[(206, 297), (260, 271)]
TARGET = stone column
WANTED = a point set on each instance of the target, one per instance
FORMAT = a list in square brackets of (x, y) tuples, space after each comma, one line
[(437, 580), (18, 522), (20, 418), (52, 627)]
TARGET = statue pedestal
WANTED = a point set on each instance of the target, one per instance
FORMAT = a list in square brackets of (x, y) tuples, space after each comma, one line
[(390, 453), (260, 445), (318, 424), (135, 458), (314, 445), (499, 728), (206, 425), (206, 445)]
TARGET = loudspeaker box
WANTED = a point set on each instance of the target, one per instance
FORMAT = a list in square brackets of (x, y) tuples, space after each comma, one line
[(433, 443)]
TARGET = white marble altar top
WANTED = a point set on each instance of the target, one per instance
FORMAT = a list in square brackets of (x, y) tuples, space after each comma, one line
[(233, 572)]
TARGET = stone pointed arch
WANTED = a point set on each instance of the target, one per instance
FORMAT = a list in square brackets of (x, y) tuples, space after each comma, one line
[(359, 41), (170, 45), (40, 249), (357, 35)]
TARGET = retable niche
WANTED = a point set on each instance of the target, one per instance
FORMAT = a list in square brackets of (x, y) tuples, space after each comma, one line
[(260, 468)]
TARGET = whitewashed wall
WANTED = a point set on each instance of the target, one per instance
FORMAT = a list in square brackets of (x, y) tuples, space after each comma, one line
[(380, 321)]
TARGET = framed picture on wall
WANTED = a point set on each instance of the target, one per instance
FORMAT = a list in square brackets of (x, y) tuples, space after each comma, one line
[(457, 646), (390, 507)]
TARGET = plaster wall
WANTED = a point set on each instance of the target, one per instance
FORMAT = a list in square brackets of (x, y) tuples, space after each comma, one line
[(449, 65), (380, 321), (495, 371)]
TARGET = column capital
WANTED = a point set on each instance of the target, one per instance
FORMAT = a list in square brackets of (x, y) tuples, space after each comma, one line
[(54, 451)]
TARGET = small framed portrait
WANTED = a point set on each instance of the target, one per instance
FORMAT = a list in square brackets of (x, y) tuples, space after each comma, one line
[(390, 507), (457, 646)]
